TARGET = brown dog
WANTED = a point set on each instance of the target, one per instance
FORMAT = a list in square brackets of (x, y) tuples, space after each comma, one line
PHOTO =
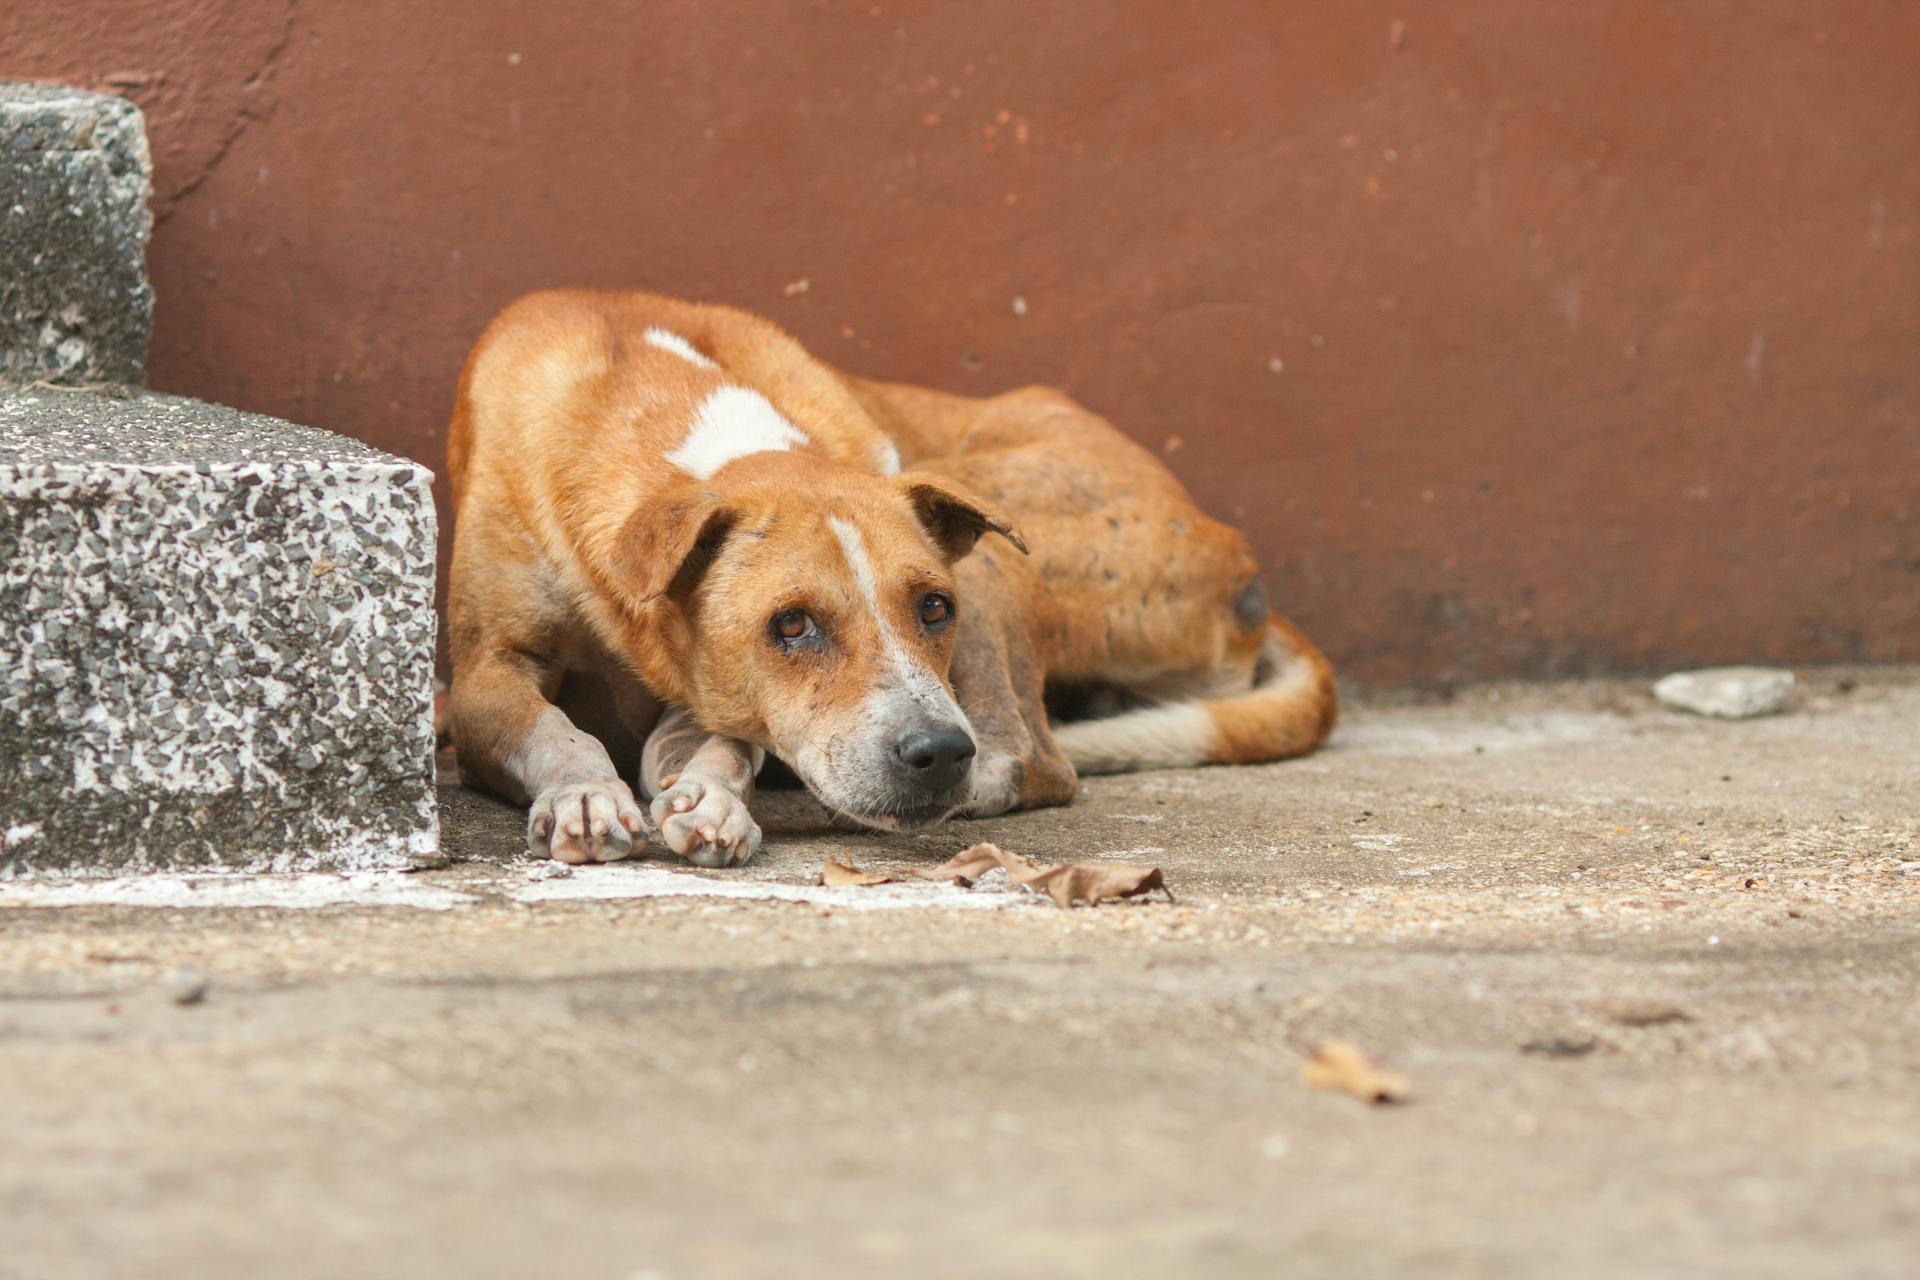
[(681, 542)]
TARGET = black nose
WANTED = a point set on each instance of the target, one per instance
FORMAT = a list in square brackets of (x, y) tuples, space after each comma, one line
[(935, 759)]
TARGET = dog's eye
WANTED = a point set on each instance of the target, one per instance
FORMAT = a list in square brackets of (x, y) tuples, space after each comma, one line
[(790, 626), (936, 610)]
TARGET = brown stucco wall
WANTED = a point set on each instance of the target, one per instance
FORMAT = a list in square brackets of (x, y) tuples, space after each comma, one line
[(1521, 337)]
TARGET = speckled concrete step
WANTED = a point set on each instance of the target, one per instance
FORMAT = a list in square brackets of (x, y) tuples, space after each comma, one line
[(75, 306), (216, 641)]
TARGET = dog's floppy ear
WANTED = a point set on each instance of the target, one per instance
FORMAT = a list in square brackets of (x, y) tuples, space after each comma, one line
[(667, 545), (953, 517)]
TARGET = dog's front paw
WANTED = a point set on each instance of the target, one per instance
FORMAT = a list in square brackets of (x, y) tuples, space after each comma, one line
[(705, 822), (586, 822)]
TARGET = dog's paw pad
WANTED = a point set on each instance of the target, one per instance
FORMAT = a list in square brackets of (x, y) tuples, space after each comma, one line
[(587, 822), (706, 823)]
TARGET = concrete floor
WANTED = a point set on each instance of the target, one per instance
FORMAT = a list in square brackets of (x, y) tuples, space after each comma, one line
[(1653, 979)]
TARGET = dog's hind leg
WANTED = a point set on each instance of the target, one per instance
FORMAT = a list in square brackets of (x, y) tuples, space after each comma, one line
[(700, 784)]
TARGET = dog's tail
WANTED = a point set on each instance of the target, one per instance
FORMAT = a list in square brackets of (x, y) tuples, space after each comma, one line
[(1289, 711)]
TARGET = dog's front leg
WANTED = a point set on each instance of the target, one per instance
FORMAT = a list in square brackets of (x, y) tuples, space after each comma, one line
[(512, 739), (998, 678), (700, 784)]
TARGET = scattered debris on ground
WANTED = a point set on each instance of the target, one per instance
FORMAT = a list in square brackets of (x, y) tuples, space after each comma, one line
[(1066, 883), (835, 874), (1340, 1066), (1561, 1047), (1727, 693)]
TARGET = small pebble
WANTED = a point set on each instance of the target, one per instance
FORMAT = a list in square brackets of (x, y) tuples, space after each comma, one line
[(187, 986), (1727, 693)]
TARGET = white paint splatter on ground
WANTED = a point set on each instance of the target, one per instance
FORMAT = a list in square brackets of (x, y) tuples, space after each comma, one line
[(175, 890), (628, 881)]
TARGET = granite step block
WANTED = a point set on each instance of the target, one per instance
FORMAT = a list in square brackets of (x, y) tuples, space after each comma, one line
[(216, 641), (75, 175)]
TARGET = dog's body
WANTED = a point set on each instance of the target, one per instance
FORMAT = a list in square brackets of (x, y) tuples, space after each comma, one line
[(681, 542)]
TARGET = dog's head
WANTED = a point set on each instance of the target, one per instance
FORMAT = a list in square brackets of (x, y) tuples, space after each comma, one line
[(810, 609)]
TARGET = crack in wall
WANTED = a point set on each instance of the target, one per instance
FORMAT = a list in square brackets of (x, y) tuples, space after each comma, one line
[(246, 115)]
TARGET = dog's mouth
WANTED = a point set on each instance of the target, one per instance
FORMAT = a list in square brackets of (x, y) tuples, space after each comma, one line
[(875, 806), (907, 819)]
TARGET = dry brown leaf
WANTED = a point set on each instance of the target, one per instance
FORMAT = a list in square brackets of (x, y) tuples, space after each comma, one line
[(1096, 882), (1066, 883), (1344, 1067), (836, 874), (974, 862)]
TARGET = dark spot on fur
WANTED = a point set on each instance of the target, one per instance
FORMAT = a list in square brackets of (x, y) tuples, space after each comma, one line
[(1250, 606)]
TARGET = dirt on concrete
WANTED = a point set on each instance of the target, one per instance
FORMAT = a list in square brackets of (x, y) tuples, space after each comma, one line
[(1651, 978)]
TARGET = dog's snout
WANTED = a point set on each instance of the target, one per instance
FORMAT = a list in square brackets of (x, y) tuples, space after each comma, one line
[(935, 759)]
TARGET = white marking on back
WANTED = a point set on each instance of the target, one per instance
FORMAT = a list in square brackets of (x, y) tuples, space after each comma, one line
[(668, 340), (732, 423), (886, 458)]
